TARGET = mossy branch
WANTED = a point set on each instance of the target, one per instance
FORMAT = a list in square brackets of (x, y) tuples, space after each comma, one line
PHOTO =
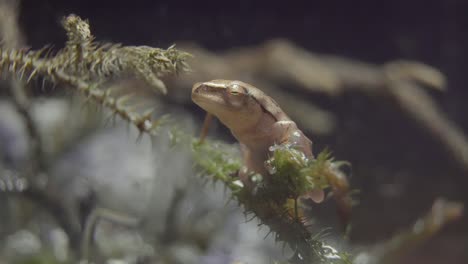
[(276, 205), (86, 66)]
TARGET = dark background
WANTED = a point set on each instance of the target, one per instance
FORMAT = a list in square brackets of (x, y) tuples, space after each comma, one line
[(433, 32), (384, 147)]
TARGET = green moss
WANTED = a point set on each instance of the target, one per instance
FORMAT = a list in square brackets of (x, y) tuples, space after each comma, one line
[(294, 174), (219, 162), (273, 204)]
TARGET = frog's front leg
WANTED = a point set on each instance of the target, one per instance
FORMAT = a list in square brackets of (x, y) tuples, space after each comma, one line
[(253, 163), (286, 132)]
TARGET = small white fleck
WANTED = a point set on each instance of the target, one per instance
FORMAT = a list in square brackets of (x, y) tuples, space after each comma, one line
[(21, 184), (284, 122), (256, 178), (238, 183), (332, 254), (9, 185), (147, 125), (244, 170)]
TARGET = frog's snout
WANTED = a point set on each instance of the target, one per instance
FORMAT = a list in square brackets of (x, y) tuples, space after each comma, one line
[(197, 87), (197, 91), (201, 89)]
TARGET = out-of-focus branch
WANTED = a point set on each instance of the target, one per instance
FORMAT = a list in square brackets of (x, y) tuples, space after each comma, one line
[(280, 63), (170, 231), (420, 107), (284, 62), (402, 81), (12, 39), (61, 213), (442, 213), (10, 33), (245, 65)]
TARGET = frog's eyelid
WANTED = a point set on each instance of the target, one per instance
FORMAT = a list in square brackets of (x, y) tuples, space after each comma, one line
[(235, 89)]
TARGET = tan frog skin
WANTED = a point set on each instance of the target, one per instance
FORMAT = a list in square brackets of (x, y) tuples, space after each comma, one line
[(255, 120)]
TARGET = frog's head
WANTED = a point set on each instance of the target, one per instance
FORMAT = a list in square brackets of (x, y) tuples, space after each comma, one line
[(232, 102)]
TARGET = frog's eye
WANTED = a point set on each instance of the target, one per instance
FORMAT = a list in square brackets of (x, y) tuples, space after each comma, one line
[(234, 89)]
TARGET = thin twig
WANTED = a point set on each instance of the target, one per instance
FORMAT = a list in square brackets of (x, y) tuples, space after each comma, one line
[(170, 230), (12, 38)]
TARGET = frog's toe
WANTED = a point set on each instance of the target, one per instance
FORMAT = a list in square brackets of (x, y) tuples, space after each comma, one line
[(317, 195)]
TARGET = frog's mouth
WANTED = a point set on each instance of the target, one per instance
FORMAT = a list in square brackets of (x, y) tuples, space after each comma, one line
[(207, 88), (208, 97)]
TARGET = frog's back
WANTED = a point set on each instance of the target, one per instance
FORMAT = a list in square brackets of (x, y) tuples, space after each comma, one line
[(269, 104)]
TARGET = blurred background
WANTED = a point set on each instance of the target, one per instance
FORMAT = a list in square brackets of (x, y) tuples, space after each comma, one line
[(381, 83)]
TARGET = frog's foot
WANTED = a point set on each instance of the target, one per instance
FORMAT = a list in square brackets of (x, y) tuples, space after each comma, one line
[(316, 195)]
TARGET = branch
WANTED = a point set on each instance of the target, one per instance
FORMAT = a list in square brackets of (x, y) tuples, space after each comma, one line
[(442, 213), (276, 204), (86, 66), (12, 38)]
